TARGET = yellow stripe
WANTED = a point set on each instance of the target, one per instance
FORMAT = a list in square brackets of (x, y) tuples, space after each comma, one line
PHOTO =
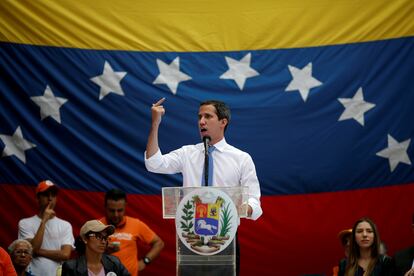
[(202, 25)]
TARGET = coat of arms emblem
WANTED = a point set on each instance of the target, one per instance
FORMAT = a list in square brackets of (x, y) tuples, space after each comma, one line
[(206, 221)]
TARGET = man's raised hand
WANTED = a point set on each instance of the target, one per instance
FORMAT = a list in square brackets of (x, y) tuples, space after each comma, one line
[(157, 111), (49, 213)]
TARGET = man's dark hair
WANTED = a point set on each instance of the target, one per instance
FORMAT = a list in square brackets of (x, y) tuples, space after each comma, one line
[(115, 194), (48, 192), (222, 110)]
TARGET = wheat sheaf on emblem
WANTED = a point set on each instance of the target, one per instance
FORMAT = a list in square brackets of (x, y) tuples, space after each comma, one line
[(205, 226)]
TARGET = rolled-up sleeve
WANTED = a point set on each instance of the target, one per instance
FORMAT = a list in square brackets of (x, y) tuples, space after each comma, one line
[(164, 163), (153, 162), (257, 209), (249, 179)]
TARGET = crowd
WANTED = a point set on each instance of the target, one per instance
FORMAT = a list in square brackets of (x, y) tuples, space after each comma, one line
[(45, 244)]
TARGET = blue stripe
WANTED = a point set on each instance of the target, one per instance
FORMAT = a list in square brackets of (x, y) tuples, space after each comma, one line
[(298, 147)]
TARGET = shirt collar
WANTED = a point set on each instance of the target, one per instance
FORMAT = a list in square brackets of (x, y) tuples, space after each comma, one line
[(221, 145), (120, 225)]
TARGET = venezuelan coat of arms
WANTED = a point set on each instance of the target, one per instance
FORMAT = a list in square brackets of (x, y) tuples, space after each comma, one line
[(206, 221)]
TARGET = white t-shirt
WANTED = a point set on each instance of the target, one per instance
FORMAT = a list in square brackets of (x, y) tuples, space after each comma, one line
[(58, 232)]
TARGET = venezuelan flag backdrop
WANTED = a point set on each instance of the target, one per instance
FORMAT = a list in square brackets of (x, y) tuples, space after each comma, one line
[(321, 92)]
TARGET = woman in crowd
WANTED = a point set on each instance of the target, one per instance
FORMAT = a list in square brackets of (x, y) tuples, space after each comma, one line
[(94, 261), (21, 254), (364, 257)]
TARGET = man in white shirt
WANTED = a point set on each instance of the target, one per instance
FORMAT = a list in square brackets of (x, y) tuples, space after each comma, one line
[(232, 167), (51, 237)]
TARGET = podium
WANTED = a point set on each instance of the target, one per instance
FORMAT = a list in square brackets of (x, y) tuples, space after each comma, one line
[(206, 220)]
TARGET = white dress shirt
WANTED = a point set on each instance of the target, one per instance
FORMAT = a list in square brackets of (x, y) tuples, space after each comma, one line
[(232, 167)]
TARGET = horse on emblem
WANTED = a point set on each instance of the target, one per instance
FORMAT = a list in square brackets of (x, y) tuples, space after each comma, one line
[(202, 224)]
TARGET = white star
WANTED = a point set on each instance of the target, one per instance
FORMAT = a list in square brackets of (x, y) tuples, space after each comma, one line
[(396, 152), (170, 74), (302, 80), (109, 81), (16, 145), (355, 107), (49, 104), (239, 71)]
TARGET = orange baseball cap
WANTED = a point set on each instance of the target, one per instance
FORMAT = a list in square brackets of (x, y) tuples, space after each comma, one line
[(45, 185)]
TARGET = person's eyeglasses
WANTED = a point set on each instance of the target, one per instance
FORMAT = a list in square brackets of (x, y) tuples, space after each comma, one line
[(99, 236), (22, 252)]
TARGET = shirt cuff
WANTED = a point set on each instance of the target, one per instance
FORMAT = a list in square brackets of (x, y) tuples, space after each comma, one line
[(257, 209), (154, 161)]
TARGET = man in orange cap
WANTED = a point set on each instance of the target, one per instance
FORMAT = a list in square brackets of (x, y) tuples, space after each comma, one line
[(51, 237)]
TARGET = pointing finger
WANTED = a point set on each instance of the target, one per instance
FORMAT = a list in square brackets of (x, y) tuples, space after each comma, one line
[(159, 102)]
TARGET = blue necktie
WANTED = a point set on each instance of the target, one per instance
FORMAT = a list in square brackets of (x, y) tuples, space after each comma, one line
[(210, 167)]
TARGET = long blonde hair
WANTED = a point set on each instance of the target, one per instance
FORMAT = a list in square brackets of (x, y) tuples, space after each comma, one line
[(355, 251)]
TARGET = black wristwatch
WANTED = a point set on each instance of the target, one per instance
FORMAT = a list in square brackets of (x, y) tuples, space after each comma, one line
[(147, 260)]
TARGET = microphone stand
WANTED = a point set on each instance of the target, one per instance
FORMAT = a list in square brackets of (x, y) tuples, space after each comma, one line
[(206, 140), (206, 168)]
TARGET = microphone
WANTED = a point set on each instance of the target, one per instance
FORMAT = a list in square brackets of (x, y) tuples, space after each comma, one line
[(206, 140)]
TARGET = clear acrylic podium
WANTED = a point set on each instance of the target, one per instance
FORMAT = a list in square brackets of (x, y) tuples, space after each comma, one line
[(190, 259)]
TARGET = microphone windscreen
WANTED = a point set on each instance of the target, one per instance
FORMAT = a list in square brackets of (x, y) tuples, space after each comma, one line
[(206, 139)]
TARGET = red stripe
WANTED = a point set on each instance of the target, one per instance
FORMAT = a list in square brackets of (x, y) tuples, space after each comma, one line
[(296, 234)]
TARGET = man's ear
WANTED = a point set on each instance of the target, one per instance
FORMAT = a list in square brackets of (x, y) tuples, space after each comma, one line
[(224, 122)]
